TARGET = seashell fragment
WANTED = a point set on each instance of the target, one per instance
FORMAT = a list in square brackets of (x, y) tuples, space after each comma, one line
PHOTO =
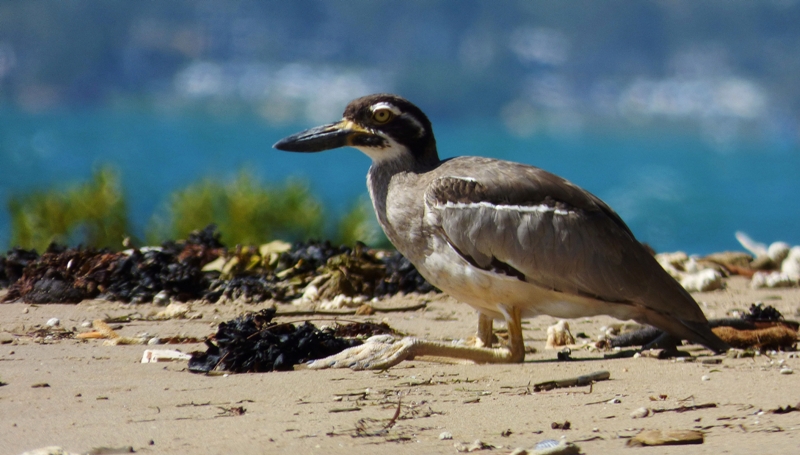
[(559, 335), (163, 355), (553, 447), (791, 264), (771, 280), (702, 280)]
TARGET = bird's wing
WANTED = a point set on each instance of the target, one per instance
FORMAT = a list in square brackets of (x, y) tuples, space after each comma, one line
[(525, 222)]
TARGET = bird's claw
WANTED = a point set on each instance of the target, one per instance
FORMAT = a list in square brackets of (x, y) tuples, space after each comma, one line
[(377, 353)]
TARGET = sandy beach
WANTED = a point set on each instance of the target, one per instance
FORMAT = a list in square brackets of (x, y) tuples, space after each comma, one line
[(84, 395)]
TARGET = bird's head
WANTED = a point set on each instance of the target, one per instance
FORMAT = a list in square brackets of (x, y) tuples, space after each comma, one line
[(383, 126)]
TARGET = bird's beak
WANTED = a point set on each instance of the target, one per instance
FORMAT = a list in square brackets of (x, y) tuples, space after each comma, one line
[(322, 138)]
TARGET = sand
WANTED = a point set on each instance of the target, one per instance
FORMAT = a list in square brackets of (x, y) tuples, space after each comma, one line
[(103, 396)]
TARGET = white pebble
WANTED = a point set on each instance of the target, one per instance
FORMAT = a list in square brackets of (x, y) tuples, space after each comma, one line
[(445, 435), (702, 281), (86, 324), (161, 299), (640, 413), (705, 378), (53, 322), (614, 400), (25, 310), (786, 371)]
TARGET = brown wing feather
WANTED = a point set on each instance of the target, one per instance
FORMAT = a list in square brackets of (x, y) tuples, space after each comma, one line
[(556, 234)]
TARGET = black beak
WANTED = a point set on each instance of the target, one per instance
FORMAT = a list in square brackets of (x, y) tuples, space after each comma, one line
[(320, 138)]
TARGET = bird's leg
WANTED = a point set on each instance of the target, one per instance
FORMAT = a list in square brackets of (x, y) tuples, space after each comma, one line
[(516, 346), (383, 351), (485, 333)]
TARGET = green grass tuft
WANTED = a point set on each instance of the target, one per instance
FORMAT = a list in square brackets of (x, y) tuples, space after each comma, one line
[(92, 213)]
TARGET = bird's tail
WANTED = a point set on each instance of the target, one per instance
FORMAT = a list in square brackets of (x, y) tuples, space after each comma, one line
[(703, 335), (694, 331)]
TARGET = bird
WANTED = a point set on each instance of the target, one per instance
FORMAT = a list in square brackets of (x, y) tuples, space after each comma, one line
[(509, 239)]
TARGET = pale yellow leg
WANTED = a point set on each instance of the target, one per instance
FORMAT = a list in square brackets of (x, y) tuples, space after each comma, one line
[(485, 333), (383, 351)]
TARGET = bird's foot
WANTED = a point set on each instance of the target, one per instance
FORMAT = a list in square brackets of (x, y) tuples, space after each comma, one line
[(377, 353)]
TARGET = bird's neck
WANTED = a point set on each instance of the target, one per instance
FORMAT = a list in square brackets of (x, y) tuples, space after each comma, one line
[(381, 174)]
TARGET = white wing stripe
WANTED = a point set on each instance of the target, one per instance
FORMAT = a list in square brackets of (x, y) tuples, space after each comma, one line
[(542, 208)]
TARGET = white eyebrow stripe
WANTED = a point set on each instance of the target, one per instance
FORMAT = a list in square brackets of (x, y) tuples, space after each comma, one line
[(385, 105)]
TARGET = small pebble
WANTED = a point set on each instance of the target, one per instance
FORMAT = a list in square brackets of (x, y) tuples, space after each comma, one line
[(154, 340), (161, 299), (53, 322), (614, 401), (640, 413), (444, 435), (25, 310), (705, 378), (786, 371), (86, 324)]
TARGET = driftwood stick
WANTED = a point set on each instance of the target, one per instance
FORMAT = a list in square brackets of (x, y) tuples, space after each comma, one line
[(578, 381)]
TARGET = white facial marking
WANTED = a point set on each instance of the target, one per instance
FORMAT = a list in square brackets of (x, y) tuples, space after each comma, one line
[(416, 123), (511, 208), (385, 105), (386, 153)]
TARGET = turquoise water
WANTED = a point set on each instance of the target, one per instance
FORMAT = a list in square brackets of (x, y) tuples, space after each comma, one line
[(674, 190)]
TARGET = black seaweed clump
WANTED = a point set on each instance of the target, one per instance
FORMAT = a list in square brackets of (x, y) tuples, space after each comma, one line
[(252, 343), (13, 264), (307, 257), (401, 276), (69, 275), (759, 312)]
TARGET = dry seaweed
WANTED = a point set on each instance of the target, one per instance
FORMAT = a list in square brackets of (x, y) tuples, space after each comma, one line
[(252, 343), (201, 268), (69, 275), (759, 317)]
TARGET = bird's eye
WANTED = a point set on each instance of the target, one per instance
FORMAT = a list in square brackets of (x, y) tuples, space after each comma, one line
[(382, 115)]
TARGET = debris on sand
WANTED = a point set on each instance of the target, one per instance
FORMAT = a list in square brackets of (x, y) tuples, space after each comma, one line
[(693, 274), (578, 381), (49, 450), (200, 267), (550, 447), (665, 438), (163, 355), (70, 275), (475, 446), (777, 265), (770, 338), (253, 343), (763, 327), (559, 335)]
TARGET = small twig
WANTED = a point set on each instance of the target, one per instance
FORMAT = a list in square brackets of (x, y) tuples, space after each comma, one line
[(577, 381), (686, 408), (393, 420)]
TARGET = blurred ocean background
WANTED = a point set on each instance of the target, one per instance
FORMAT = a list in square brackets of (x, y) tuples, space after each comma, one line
[(684, 116)]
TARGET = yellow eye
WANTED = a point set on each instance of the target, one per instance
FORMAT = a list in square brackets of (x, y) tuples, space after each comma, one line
[(382, 115)]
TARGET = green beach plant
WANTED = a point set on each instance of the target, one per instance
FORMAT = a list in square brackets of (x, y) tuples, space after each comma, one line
[(360, 225), (93, 213), (245, 211)]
